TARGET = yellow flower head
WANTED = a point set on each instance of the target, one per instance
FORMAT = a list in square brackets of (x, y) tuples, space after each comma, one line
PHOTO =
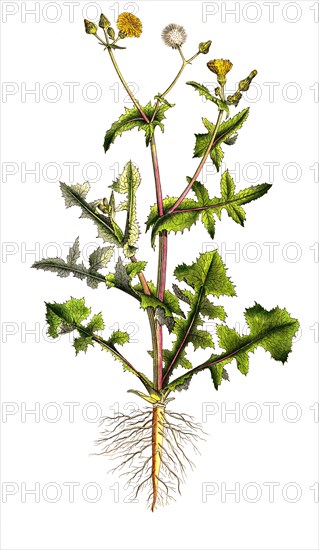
[(129, 24), (220, 67)]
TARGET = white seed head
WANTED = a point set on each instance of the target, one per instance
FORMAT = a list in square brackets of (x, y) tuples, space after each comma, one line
[(174, 35)]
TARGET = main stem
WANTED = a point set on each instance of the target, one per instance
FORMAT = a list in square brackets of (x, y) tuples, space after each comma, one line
[(156, 328), (161, 269)]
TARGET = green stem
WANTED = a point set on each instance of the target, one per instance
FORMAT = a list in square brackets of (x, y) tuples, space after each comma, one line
[(185, 62), (154, 326), (200, 166), (116, 67)]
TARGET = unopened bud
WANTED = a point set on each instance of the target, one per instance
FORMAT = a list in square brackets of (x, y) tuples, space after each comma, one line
[(90, 28), (217, 91), (203, 47), (235, 98), (111, 33), (103, 206), (122, 35), (104, 23), (243, 85)]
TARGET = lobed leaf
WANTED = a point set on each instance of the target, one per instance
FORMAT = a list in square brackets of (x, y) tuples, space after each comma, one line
[(69, 317), (206, 276), (222, 105), (225, 131), (97, 260), (205, 207), (132, 118), (273, 330), (128, 182), (75, 195)]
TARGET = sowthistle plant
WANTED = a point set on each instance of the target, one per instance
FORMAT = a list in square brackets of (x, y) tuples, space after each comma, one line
[(151, 443)]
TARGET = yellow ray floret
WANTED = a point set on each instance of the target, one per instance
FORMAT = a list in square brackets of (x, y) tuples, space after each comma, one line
[(129, 24), (220, 66)]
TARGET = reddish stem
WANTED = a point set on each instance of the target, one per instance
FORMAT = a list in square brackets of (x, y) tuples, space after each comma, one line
[(162, 266)]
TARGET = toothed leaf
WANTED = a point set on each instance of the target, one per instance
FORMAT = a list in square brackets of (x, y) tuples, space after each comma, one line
[(207, 207), (128, 182), (69, 314), (222, 105), (273, 330), (207, 275), (170, 303), (177, 222), (100, 258), (132, 118), (225, 131), (75, 195), (123, 276), (96, 323), (164, 319), (135, 268), (64, 269), (118, 337), (74, 252)]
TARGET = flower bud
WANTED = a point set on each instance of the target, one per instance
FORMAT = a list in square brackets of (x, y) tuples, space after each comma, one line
[(111, 33), (217, 91), (203, 47), (235, 98), (243, 85), (103, 208), (90, 28), (122, 35), (104, 23)]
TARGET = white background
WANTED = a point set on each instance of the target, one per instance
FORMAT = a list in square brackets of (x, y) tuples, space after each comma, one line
[(39, 129)]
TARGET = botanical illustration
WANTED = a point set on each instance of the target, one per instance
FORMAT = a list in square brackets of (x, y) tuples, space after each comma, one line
[(152, 444)]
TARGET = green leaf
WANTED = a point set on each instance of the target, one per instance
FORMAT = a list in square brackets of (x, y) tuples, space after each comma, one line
[(98, 260), (135, 268), (120, 279), (118, 337), (177, 222), (82, 343), (128, 182), (232, 202), (123, 276), (170, 303), (162, 99), (132, 118), (95, 324), (69, 316), (202, 90), (207, 207), (63, 316), (222, 105), (206, 276), (75, 195), (273, 330), (152, 301), (163, 319), (225, 131), (147, 398), (182, 382)]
